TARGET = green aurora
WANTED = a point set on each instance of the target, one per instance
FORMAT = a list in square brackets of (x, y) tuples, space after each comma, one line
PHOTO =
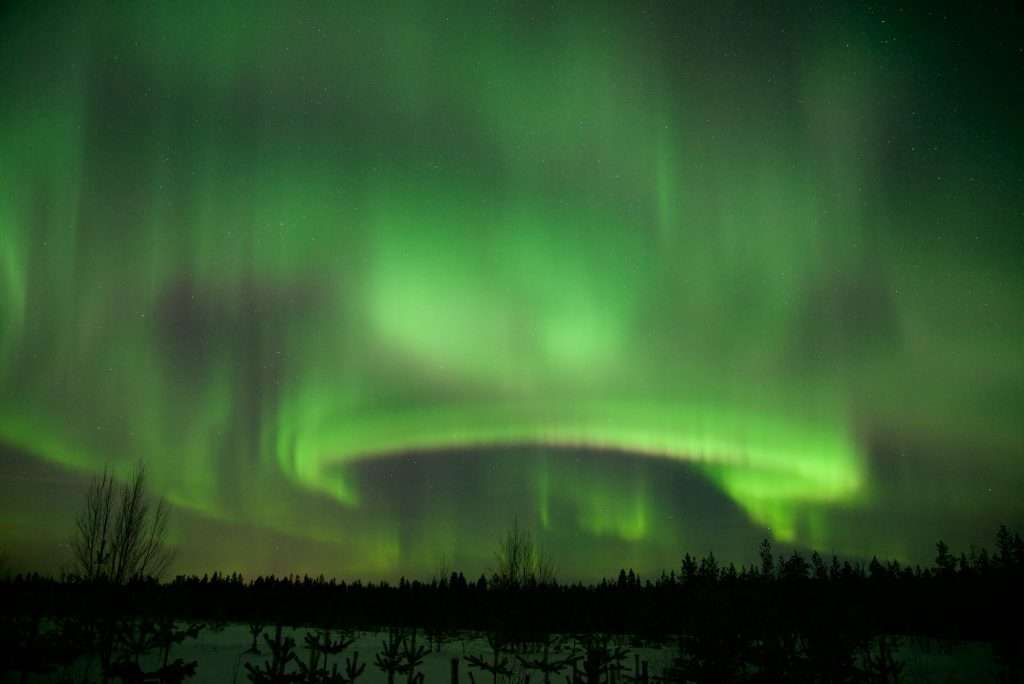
[(363, 284)]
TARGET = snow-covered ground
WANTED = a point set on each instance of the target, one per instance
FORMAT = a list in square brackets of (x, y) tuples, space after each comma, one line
[(221, 655)]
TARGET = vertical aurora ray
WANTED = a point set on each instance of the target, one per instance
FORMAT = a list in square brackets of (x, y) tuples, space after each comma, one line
[(307, 262)]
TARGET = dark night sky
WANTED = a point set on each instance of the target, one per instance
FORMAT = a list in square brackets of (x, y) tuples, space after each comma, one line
[(363, 285)]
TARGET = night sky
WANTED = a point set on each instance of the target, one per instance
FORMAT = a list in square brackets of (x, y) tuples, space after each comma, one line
[(363, 285)]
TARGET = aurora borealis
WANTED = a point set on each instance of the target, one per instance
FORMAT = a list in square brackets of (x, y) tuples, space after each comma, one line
[(362, 284)]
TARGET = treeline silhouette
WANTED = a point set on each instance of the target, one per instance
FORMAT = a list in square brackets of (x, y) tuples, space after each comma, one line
[(787, 618)]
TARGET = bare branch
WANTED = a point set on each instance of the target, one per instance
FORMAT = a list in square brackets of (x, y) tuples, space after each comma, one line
[(119, 534), (90, 545), (519, 562)]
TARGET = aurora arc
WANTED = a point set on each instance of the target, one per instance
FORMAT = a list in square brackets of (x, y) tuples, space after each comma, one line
[(264, 248)]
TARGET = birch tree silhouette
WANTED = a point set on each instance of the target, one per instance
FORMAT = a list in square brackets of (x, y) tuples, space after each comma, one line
[(120, 533)]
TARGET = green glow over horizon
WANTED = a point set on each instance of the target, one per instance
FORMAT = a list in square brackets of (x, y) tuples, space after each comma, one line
[(272, 249)]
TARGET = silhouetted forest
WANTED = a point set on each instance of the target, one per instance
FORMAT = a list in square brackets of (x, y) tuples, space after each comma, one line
[(788, 618)]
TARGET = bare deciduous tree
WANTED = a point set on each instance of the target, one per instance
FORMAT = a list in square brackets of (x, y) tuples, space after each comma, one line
[(444, 570), (520, 562), (92, 529), (120, 533)]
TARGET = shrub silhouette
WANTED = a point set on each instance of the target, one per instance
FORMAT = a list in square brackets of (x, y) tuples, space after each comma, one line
[(400, 654), (282, 654), (499, 664), (548, 662)]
